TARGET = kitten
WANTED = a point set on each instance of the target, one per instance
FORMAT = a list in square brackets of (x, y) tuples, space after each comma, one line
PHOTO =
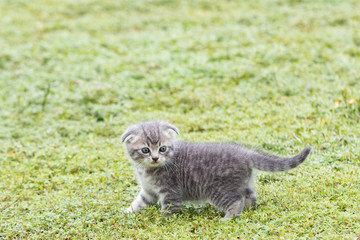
[(174, 171)]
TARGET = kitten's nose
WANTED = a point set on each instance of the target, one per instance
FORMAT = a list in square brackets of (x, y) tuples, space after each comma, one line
[(155, 158)]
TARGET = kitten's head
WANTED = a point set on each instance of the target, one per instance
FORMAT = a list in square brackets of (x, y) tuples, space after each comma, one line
[(150, 144)]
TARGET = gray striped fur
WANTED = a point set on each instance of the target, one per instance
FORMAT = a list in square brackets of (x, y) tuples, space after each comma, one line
[(220, 173)]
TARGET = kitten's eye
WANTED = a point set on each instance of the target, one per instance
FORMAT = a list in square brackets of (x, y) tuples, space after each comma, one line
[(162, 149), (145, 150)]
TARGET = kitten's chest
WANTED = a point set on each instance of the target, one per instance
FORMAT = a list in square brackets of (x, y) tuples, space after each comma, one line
[(149, 182)]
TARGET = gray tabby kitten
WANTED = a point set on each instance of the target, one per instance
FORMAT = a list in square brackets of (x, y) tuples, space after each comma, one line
[(174, 171)]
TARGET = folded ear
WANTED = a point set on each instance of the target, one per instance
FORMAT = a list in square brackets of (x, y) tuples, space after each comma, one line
[(129, 136), (170, 129)]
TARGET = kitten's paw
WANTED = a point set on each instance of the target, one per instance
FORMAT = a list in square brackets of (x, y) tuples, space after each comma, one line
[(129, 210), (166, 214), (225, 219), (229, 217), (250, 204)]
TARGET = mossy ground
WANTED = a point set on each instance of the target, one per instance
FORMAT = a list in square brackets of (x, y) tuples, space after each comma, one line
[(276, 74)]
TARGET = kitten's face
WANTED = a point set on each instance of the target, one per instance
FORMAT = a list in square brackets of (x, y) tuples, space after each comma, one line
[(150, 144)]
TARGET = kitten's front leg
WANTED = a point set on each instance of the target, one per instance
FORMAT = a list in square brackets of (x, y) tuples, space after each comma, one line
[(143, 199), (170, 203)]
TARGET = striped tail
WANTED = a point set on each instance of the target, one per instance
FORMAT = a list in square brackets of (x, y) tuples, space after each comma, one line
[(276, 164)]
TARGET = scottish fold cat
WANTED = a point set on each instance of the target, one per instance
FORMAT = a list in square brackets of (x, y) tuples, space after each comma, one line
[(172, 171)]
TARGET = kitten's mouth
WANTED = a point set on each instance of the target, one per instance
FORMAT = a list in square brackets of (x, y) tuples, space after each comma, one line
[(156, 164)]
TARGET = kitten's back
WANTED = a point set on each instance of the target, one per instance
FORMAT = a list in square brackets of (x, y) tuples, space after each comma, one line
[(223, 154)]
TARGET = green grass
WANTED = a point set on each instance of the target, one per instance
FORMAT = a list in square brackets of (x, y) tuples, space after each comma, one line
[(273, 74)]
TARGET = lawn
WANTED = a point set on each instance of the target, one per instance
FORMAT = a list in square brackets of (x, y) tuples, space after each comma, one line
[(276, 75)]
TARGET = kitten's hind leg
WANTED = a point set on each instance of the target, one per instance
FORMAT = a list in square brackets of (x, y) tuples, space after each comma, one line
[(232, 202), (235, 209), (250, 198)]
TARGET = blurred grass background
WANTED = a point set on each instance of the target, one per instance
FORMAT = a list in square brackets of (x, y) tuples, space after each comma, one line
[(274, 74)]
